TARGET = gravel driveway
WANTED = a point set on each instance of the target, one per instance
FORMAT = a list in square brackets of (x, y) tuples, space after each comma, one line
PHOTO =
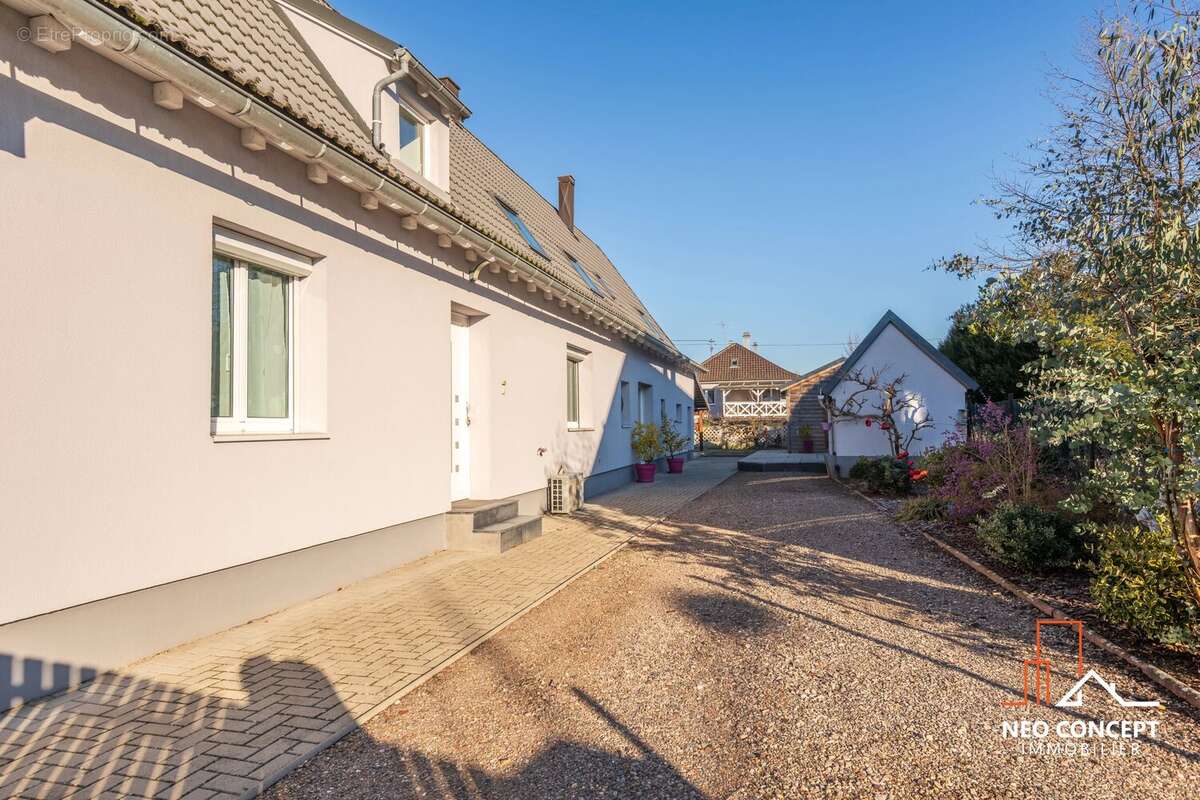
[(778, 638)]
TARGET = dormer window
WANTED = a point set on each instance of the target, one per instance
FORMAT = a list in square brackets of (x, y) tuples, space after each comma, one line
[(733, 363), (412, 141), (519, 224)]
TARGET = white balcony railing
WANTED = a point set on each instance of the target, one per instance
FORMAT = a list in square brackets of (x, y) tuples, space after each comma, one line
[(752, 408)]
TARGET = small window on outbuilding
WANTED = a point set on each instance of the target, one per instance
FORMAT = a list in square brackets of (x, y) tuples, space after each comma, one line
[(733, 364)]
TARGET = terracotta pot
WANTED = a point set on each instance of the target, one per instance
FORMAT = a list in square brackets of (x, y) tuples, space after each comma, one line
[(645, 472), (808, 445), (675, 464)]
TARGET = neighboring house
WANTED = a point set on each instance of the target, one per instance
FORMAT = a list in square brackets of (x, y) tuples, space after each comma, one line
[(805, 409), (739, 384), (937, 386), (256, 346)]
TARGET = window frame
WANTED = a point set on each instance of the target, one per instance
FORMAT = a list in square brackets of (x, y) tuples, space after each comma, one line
[(522, 228), (583, 274), (403, 109), (645, 390), (605, 285), (245, 254), (625, 401), (575, 370)]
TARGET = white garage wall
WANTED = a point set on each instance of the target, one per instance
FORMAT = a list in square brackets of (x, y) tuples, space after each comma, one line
[(941, 398)]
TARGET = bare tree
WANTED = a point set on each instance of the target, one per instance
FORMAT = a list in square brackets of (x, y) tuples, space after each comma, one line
[(877, 398)]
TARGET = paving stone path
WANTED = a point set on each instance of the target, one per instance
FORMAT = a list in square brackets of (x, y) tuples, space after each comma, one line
[(229, 714)]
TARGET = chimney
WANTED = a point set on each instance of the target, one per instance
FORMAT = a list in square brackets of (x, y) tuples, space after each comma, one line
[(566, 200), (450, 84), (746, 339)]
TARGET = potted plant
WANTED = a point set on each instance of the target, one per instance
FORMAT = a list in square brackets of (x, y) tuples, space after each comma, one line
[(673, 442), (806, 437), (646, 445)]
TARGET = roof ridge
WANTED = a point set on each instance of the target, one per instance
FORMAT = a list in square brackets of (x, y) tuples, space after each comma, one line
[(920, 342)]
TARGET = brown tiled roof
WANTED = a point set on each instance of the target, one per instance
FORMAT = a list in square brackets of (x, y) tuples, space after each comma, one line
[(252, 43), (478, 177), (751, 367)]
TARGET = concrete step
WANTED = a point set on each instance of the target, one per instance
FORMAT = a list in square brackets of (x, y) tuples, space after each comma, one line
[(497, 537), (484, 512)]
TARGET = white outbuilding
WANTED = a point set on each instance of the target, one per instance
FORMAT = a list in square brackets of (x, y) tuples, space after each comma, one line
[(929, 395)]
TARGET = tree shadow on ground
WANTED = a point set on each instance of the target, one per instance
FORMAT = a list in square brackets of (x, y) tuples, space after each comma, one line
[(121, 736), (836, 548)]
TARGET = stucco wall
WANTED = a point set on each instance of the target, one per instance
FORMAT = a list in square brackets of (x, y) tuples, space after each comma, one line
[(940, 396), (110, 480)]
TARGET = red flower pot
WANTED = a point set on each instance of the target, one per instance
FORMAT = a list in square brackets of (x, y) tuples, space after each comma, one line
[(675, 464), (645, 472), (808, 445)]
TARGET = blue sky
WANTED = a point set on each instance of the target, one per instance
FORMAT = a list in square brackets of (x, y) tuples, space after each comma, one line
[(784, 168)]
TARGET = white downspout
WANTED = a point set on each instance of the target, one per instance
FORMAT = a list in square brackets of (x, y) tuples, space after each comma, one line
[(831, 443), (377, 98)]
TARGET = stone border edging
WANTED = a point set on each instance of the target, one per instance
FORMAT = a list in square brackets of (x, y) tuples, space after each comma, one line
[(1158, 676)]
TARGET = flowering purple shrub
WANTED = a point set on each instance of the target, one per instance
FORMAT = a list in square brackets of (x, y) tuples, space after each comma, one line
[(1000, 462)]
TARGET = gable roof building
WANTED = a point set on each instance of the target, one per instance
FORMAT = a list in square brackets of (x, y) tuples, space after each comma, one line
[(738, 364), (335, 320), (891, 319), (740, 383), (932, 401)]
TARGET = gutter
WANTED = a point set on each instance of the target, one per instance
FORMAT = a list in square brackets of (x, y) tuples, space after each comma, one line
[(100, 26)]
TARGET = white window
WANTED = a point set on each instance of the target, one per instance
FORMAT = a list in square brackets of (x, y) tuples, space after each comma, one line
[(579, 409), (733, 363), (411, 152), (572, 391), (626, 410), (679, 412), (645, 402), (253, 335)]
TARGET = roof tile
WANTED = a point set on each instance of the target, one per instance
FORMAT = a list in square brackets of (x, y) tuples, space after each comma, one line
[(252, 43), (751, 367)]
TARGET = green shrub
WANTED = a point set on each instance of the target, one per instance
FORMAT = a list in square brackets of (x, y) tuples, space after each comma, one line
[(934, 462), (1029, 538), (867, 469), (883, 475), (922, 509), (1138, 582), (646, 441)]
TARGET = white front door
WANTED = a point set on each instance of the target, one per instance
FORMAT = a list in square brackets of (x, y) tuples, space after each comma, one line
[(460, 431)]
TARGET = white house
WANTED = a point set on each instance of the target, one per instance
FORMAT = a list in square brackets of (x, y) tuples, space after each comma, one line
[(933, 390), (270, 311)]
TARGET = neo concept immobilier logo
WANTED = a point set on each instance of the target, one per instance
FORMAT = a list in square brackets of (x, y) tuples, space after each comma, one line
[(1083, 735)]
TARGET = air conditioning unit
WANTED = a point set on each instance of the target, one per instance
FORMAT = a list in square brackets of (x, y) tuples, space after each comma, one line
[(565, 493)]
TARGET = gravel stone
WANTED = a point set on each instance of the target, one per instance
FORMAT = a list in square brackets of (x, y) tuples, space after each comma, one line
[(777, 638)]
